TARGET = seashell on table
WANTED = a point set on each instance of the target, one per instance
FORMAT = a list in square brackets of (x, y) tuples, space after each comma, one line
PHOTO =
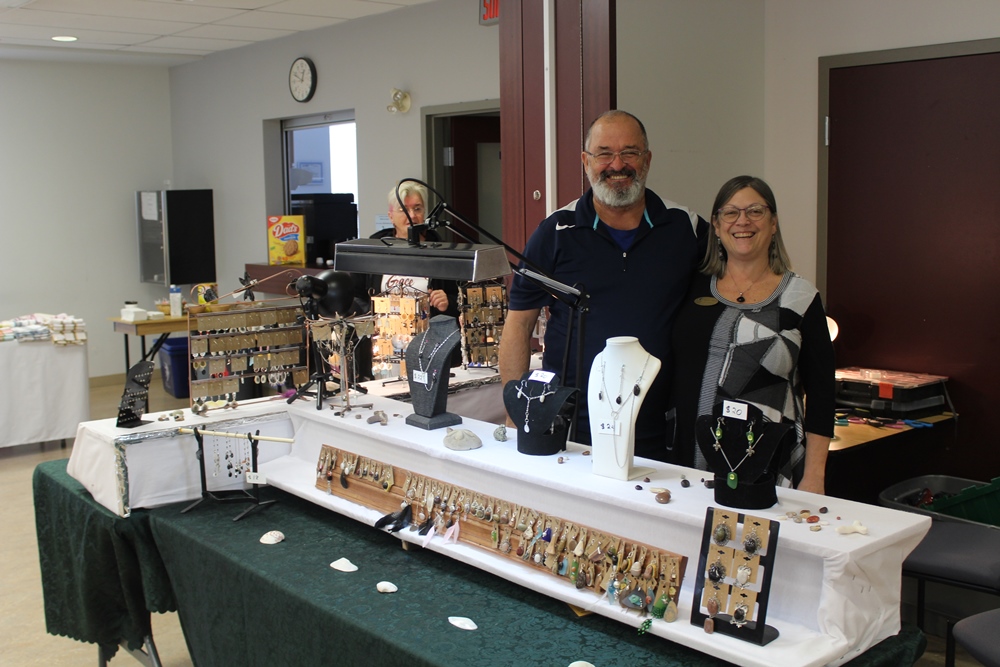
[(272, 537), (344, 565), (462, 439), (386, 587)]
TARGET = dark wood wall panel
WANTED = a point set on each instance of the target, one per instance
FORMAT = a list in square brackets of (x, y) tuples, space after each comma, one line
[(914, 232), (585, 87)]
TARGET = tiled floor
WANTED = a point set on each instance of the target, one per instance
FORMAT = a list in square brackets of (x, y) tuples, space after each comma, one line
[(23, 640)]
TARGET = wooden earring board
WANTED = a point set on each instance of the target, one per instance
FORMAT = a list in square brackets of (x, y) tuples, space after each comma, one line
[(731, 553)]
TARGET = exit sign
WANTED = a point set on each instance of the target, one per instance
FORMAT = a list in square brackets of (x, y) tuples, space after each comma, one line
[(489, 12)]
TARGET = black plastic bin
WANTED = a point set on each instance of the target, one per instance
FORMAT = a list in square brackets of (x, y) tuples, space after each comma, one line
[(965, 500), (174, 366)]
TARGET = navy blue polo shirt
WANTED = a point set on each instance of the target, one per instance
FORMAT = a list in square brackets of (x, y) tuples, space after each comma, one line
[(633, 292)]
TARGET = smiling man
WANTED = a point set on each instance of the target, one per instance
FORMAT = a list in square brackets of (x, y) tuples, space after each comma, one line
[(631, 251)]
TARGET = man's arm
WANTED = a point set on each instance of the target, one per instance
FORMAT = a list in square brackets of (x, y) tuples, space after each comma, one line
[(515, 345)]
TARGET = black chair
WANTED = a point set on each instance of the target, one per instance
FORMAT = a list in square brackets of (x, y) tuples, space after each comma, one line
[(956, 553), (978, 635)]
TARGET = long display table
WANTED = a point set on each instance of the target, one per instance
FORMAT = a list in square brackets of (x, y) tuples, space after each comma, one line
[(245, 603), (832, 596)]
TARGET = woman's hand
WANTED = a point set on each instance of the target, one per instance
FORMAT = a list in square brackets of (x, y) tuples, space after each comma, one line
[(438, 299)]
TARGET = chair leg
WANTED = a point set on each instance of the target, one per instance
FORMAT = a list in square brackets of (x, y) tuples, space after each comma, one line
[(949, 646)]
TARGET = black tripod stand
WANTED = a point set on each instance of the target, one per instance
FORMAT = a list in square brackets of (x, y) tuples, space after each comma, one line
[(319, 377)]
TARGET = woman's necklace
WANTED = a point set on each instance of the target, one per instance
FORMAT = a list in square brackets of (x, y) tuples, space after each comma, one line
[(740, 298), (522, 392), (422, 375), (732, 479)]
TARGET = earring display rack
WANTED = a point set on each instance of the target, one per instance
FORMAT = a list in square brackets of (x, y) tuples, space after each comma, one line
[(263, 344), (398, 318), (734, 576), (136, 394), (631, 574), (252, 476), (483, 309)]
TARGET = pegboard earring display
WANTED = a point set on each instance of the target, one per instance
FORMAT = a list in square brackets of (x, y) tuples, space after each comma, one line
[(734, 582), (484, 310)]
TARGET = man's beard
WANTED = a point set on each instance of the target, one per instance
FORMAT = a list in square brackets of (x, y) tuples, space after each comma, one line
[(615, 197)]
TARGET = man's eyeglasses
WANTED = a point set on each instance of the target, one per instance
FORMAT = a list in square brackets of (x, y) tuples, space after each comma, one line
[(755, 213), (629, 156)]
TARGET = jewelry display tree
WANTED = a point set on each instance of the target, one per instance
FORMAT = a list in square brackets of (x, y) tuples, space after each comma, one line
[(619, 380), (740, 449), (734, 576), (427, 366), (484, 309), (535, 404)]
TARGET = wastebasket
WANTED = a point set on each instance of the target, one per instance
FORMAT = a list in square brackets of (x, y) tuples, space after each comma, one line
[(174, 366), (954, 498)]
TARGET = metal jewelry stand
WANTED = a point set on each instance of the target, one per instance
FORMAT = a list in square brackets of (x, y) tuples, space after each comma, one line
[(236, 495)]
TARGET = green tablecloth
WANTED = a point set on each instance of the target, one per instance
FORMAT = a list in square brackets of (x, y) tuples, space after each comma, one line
[(244, 603), (101, 574)]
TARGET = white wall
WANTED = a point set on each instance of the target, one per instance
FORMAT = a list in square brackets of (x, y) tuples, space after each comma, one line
[(693, 72), (77, 142), (797, 33), (436, 51)]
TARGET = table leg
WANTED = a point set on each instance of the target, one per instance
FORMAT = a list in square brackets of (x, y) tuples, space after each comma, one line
[(128, 365)]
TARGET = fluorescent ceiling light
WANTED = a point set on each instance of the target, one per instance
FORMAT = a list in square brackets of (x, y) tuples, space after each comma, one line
[(64, 38)]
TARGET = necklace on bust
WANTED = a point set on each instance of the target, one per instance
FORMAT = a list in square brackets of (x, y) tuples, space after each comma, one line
[(621, 403), (422, 375), (740, 298), (732, 479), (522, 392)]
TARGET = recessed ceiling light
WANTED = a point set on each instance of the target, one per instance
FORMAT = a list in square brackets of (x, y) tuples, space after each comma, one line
[(64, 38)]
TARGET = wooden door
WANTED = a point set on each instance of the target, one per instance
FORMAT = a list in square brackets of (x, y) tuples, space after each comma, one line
[(913, 232)]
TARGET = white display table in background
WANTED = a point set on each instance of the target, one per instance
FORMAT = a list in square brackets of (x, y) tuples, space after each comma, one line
[(44, 391)]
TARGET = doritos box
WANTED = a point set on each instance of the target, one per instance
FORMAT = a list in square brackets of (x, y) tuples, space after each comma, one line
[(286, 240)]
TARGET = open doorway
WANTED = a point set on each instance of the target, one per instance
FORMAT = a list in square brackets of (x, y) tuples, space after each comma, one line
[(462, 150)]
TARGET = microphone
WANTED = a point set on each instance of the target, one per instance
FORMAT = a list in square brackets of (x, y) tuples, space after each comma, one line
[(432, 221)]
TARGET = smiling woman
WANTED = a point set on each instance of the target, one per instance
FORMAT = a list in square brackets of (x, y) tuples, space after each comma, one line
[(751, 330)]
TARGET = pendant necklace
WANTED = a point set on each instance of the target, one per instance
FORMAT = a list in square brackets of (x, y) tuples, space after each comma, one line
[(428, 382), (619, 401), (740, 298), (732, 479), (522, 392)]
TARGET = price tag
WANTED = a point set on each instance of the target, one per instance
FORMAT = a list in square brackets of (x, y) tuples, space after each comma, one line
[(734, 410), (542, 376), (420, 376), (610, 427), (256, 478)]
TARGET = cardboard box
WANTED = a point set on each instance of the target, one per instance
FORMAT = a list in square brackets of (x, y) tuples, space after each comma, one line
[(286, 240)]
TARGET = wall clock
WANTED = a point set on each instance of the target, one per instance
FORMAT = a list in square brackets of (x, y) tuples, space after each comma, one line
[(302, 79)]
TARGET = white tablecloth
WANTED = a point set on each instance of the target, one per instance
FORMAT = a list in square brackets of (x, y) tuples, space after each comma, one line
[(832, 596), (44, 391)]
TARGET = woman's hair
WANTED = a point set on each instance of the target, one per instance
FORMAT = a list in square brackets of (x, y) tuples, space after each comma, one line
[(405, 190), (714, 263)]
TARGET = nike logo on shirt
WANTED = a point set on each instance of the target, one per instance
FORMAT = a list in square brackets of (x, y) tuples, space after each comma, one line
[(561, 227)]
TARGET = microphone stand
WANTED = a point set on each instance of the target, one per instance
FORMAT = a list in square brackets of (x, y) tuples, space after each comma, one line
[(574, 297)]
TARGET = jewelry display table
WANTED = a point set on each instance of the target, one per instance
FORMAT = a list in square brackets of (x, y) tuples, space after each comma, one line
[(832, 596), (246, 603), (45, 393)]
